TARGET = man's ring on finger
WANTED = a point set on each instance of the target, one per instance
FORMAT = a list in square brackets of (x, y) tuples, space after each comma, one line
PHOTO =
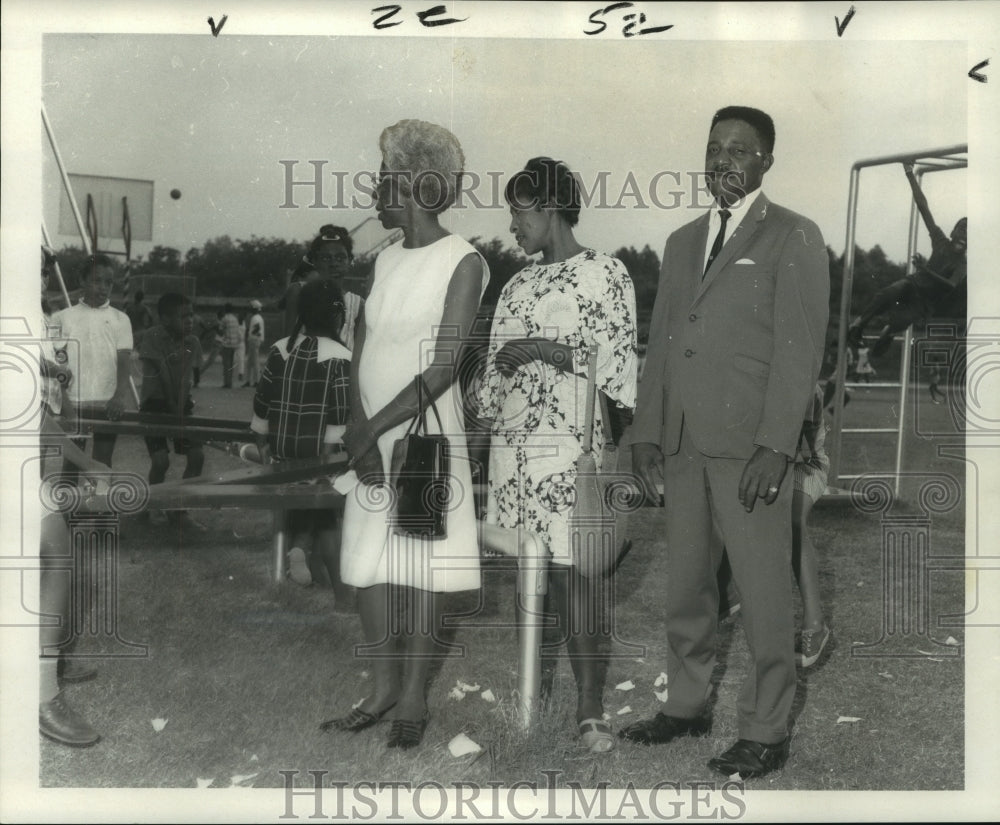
[(772, 489)]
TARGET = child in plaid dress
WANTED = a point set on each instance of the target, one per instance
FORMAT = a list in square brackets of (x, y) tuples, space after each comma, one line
[(300, 410)]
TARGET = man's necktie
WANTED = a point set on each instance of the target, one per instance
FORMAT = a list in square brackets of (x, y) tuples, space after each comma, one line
[(719, 239)]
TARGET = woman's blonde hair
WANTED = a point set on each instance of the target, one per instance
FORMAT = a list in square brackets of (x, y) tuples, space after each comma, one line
[(428, 161)]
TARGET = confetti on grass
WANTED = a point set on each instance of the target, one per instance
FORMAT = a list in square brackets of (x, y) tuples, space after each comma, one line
[(488, 696), (158, 724), (462, 745), (457, 694), (465, 687), (661, 694), (203, 783), (661, 680), (845, 719), (624, 710), (627, 685), (239, 778)]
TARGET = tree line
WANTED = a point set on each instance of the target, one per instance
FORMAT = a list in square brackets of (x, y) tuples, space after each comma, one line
[(260, 268)]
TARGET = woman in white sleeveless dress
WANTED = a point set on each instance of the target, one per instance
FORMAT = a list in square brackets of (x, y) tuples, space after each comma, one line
[(423, 300)]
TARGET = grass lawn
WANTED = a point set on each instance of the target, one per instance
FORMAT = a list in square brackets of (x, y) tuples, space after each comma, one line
[(243, 670)]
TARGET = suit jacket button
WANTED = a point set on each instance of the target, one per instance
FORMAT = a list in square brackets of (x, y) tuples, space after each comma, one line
[(688, 353)]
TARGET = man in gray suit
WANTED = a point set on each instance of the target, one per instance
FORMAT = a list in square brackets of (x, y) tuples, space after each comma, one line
[(735, 349)]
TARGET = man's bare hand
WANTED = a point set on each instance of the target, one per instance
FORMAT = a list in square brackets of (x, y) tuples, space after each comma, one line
[(647, 464), (762, 477)]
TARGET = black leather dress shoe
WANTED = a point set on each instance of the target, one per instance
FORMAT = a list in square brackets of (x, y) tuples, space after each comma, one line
[(60, 722), (662, 729), (75, 670), (751, 759)]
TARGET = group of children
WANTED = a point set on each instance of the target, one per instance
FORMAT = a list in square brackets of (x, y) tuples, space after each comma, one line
[(300, 410)]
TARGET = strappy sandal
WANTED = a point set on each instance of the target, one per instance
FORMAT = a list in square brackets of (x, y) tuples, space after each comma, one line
[(595, 734), (356, 720), (406, 734)]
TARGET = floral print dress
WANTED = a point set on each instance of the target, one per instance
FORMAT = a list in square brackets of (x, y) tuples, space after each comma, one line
[(538, 413)]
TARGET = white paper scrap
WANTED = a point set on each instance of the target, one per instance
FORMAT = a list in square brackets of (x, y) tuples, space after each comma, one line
[(488, 695), (624, 710), (627, 685), (841, 719), (462, 745), (158, 724)]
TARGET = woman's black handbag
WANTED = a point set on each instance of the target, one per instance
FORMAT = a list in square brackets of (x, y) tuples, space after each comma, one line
[(420, 475)]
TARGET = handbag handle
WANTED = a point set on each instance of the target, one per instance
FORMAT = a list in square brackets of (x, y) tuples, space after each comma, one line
[(592, 393), (420, 419), (588, 426)]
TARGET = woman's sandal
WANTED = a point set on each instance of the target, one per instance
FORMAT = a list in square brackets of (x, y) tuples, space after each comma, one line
[(595, 734), (356, 720), (406, 734)]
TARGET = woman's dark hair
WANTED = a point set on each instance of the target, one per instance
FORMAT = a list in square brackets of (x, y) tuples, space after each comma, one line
[(332, 234), (545, 182), (321, 311)]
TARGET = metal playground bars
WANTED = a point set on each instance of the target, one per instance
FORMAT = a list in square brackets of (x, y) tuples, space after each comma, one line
[(931, 160)]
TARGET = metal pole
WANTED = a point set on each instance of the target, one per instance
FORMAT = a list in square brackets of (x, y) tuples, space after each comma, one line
[(66, 184), (946, 163), (904, 366), (903, 157), (55, 264), (532, 584), (847, 287), (280, 544)]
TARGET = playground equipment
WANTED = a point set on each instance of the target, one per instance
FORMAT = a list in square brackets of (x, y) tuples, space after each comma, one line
[(932, 160), (90, 233), (280, 488)]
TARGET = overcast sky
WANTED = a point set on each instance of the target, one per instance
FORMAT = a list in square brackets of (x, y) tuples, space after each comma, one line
[(213, 117), (143, 90)]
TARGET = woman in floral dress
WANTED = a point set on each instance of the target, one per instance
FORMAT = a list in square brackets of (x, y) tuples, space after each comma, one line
[(534, 388)]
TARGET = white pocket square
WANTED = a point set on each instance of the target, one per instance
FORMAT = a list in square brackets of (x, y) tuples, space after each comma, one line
[(745, 261)]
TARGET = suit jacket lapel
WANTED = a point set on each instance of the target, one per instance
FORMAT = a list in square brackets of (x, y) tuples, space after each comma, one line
[(738, 241)]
